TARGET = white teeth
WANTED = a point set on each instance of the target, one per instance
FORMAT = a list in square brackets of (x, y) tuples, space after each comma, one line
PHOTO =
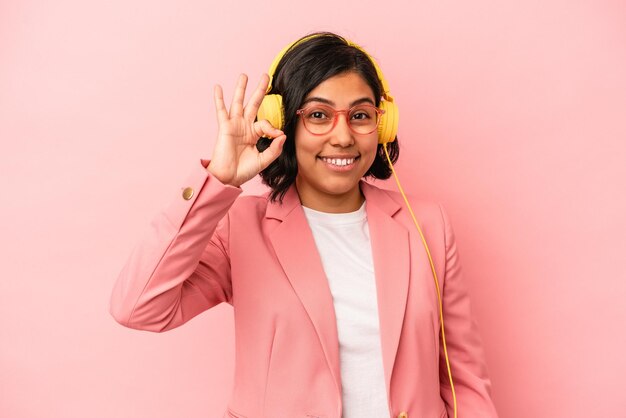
[(338, 161)]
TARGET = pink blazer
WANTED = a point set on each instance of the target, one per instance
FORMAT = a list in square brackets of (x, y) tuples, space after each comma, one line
[(210, 247)]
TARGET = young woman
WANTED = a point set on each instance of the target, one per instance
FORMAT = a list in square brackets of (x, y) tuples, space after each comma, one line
[(337, 313)]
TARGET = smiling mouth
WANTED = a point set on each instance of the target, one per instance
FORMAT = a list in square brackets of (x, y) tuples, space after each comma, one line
[(339, 162)]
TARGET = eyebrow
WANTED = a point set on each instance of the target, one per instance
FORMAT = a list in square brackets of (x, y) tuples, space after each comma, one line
[(331, 103)]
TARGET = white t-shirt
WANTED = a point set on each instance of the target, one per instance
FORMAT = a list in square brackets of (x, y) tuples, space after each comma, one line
[(343, 241)]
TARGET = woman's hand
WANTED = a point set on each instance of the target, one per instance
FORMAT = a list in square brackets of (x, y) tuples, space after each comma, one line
[(235, 156)]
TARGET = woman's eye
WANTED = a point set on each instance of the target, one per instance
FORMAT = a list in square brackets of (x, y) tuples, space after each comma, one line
[(317, 114), (360, 115)]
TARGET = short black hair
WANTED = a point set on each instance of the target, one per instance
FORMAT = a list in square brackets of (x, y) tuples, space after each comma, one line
[(310, 61)]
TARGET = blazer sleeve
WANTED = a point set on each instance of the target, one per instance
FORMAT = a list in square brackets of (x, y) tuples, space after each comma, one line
[(181, 267), (465, 350)]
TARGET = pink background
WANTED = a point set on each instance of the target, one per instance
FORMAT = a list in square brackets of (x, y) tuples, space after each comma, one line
[(513, 116)]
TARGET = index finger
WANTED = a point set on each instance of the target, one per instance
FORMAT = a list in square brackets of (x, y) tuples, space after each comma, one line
[(254, 103)]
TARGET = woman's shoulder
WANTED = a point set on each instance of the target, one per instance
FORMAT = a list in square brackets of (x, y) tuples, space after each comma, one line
[(394, 203)]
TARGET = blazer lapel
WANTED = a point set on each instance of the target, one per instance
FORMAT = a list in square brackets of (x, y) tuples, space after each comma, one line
[(390, 250), (295, 248)]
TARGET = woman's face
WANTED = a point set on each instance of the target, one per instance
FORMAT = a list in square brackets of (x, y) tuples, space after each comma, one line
[(322, 184)]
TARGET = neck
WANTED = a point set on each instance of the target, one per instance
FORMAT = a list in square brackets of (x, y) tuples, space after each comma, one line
[(342, 203)]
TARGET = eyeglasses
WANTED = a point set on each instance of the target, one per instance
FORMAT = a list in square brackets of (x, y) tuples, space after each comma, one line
[(320, 119)]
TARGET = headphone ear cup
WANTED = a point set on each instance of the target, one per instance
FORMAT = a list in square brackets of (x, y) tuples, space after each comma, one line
[(272, 109), (388, 126)]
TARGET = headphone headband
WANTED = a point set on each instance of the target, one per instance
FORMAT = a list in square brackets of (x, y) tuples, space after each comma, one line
[(385, 93)]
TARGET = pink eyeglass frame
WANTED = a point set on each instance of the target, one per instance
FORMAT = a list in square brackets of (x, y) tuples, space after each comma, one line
[(378, 110)]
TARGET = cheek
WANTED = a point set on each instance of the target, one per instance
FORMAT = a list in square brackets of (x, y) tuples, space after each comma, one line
[(369, 155), (305, 155), (297, 143), (372, 149), (307, 147), (299, 158)]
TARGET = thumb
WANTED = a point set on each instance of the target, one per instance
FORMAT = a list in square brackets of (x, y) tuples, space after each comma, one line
[(272, 152)]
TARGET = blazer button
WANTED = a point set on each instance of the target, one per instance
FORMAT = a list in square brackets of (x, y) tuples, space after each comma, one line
[(403, 415), (187, 193)]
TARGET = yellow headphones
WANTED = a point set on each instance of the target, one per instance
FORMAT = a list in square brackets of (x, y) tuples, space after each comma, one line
[(272, 106)]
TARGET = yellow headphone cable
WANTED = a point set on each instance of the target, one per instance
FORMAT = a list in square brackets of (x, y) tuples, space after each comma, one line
[(432, 267)]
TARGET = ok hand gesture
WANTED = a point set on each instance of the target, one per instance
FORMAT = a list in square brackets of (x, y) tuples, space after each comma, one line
[(235, 156)]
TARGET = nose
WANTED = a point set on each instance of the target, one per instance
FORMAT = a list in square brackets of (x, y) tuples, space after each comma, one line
[(342, 135)]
